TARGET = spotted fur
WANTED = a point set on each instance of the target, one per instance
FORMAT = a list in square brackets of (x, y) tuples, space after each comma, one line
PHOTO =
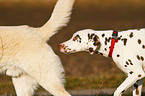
[(128, 53), (131, 35), (139, 41), (143, 46)]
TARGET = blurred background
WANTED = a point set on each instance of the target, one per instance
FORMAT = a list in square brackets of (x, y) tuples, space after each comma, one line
[(83, 71)]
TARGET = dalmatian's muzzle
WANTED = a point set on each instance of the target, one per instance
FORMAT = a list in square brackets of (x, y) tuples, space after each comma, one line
[(65, 49)]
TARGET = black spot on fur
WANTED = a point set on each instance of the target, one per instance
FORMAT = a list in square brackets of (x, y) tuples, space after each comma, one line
[(103, 35), (143, 46), (138, 57), (123, 91), (78, 36), (131, 63), (105, 42), (101, 53), (125, 41), (106, 39), (74, 50), (109, 39), (131, 35), (139, 41), (129, 60), (142, 58), (139, 75), (119, 38), (92, 35), (131, 72), (127, 63), (89, 37), (118, 55), (105, 49)]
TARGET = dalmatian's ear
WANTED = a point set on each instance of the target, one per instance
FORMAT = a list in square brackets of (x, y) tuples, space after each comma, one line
[(95, 46), (96, 41)]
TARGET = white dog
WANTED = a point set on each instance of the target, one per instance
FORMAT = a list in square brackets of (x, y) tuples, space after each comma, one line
[(26, 56), (127, 49)]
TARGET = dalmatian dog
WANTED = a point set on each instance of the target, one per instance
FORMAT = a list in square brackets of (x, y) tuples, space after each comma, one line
[(127, 49), (29, 60)]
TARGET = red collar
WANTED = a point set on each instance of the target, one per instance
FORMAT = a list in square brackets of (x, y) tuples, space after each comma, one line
[(114, 39)]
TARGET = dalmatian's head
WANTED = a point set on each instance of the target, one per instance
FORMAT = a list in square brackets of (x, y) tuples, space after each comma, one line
[(84, 40)]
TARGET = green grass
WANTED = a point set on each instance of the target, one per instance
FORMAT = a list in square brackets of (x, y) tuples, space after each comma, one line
[(74, 83), (94, 82)]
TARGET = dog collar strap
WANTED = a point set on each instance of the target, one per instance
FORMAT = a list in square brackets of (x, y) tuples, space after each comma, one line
[(114, 39)]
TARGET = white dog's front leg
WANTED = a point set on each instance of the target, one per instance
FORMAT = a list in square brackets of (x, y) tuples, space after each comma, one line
[(129, 81), (137, 88)]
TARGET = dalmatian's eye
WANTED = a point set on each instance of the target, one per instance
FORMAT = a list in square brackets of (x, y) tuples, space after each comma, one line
[(75, 38)]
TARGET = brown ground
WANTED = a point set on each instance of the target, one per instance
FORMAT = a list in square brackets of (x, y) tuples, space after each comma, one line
[(114, 16)]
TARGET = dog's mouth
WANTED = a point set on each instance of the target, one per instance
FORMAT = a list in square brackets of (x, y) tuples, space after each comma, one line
[(64, 51)]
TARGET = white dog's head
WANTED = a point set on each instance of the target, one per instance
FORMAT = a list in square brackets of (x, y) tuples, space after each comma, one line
[(84, 40)]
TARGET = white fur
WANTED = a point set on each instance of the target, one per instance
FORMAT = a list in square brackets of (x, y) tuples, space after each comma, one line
[(128, 54), (26, 56)]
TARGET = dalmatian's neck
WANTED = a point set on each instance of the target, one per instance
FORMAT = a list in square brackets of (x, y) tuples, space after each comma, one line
[(105, 38)]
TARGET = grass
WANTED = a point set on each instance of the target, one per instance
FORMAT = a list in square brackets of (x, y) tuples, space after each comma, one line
[(73, 83), (94, 82)]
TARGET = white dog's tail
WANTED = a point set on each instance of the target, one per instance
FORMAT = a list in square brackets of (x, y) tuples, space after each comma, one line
[(59, 18)]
